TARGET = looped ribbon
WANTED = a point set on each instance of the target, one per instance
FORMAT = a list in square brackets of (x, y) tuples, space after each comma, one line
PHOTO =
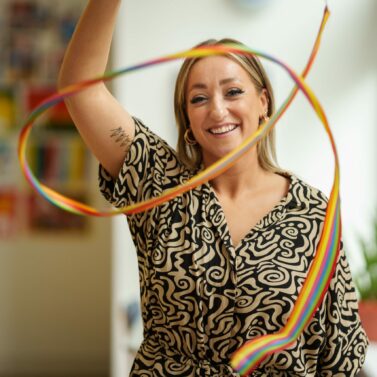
[(253, 352)]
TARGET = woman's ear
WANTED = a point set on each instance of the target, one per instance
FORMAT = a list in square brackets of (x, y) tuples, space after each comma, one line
[(263, 97)]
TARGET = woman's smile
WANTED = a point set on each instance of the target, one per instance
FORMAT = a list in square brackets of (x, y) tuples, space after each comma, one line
[(223, 130)]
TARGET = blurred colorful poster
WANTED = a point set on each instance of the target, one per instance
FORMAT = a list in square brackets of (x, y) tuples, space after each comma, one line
[(8, 202), (56, 117), (7, 109), (45, 217), (8, 163)]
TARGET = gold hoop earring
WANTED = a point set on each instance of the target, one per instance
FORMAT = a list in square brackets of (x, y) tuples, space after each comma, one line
[(188, 139), (264, 118)]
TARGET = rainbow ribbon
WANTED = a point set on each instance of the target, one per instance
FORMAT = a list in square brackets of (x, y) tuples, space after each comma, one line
[(249, 356)]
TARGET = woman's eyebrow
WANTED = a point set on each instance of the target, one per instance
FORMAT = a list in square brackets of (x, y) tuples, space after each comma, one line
[(204, 86)]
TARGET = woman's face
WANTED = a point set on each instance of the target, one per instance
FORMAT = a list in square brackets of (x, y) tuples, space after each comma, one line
[(223, 106)]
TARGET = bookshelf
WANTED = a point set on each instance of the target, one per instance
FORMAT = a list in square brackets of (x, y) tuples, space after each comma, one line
[(35, 35)]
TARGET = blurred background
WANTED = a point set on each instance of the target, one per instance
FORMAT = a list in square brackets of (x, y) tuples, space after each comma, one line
[(68, 284)]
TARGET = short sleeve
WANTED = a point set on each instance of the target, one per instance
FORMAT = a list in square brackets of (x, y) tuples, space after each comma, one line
[(346, 342), (150, 167)]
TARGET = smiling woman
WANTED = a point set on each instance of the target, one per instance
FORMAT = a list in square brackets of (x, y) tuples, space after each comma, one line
[(223, 106), (247, 70), (225, 262)]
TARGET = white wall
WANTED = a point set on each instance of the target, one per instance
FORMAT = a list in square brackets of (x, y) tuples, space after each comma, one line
[(344, 77), (55, 297)]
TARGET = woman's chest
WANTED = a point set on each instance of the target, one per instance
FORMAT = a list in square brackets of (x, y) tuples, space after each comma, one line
[(194, 243)]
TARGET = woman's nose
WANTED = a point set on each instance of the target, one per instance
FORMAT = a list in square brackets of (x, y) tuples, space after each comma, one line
[(218, 109)]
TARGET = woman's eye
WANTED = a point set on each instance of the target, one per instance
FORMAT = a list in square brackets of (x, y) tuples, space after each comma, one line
[(197, 99), (234, 92)]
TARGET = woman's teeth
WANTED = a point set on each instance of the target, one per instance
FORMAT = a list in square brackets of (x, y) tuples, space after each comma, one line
[(222, 129)]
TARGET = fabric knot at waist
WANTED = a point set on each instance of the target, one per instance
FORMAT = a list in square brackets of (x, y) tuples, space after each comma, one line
[(169, 358)]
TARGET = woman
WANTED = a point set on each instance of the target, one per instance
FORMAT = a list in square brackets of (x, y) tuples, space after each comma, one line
[(223, 263)]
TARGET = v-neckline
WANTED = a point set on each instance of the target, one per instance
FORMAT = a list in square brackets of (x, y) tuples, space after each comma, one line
[(264, 222)]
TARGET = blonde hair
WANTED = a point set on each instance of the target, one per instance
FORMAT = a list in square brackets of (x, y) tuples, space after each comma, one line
[(191, 155)]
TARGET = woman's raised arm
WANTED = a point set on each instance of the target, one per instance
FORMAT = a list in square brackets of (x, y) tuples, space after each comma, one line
[(105, 126)]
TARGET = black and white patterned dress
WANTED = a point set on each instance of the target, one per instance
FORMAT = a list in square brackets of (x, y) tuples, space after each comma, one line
[(202, 298)]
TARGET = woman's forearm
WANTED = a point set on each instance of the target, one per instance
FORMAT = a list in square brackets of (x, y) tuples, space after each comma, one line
[(88, 51)]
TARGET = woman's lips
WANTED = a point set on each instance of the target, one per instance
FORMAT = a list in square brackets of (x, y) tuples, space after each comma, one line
[(223, 129)]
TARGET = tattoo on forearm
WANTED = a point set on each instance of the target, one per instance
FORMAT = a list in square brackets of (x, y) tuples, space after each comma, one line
[(121, 137)]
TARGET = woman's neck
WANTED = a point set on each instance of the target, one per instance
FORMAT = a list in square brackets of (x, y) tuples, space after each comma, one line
[(245, 175)]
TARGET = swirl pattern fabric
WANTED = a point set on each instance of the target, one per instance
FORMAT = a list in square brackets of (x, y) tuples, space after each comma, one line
[(323, 267), (203, 298)]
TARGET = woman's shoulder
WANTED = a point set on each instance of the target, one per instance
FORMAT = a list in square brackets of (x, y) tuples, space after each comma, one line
[(160, 154), (305, 194), (142, 131)]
